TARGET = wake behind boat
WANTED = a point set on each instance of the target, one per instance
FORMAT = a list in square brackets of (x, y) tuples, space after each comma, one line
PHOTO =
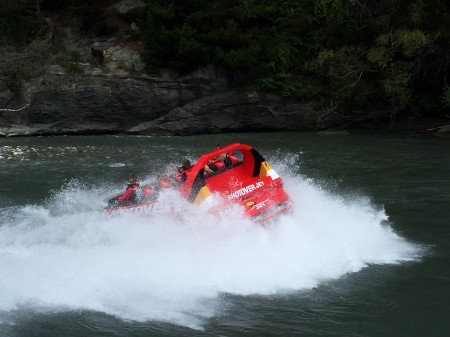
[(234, 174)]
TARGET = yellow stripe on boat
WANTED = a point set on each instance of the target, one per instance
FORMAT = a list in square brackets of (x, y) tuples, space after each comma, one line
[(267, 170), (265, 167), (202, 195)]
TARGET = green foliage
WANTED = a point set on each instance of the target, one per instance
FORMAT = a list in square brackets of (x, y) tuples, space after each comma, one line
[(72, 65), (412, 43), (282, 82), (282, 57), (244, 58), (356, 54), (407, 43), (344, 74), (74, 56), (91, 18), (189, 48), (446, 95), (74, 68), (20, 21), (382, 52), (396, 83), (401, 54), (396, 55), (39, 46), (237, 35)]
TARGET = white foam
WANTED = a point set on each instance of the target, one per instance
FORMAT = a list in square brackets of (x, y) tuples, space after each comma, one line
[(173, 266)]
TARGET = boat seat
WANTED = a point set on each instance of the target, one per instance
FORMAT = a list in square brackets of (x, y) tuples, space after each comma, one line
[(223, 169)]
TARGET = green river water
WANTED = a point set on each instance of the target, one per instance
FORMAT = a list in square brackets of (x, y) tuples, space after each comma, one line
[(365, 251)]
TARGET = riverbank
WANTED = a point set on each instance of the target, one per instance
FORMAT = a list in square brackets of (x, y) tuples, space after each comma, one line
[(203, 102)]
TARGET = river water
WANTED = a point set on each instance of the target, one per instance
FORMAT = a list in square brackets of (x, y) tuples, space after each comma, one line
[(364, 253)]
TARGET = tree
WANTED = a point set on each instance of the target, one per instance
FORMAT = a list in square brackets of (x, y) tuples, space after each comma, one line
[(20, 20)]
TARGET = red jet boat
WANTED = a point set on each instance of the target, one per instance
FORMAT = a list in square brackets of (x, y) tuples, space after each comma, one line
[(236, 174)]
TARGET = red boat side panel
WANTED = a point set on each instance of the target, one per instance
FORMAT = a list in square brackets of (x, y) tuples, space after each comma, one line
[(243, 177)]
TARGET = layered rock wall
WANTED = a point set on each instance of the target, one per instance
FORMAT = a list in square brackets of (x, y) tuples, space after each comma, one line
[(199, 103)]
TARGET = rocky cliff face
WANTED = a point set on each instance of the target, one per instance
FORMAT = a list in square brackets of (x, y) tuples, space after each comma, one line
[(199, 103)]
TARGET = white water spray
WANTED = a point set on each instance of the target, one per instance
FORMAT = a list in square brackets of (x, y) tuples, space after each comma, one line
[(66, 255)]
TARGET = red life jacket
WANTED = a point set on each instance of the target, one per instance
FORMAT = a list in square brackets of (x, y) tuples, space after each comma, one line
[(219, 164), (232, 157), (148, 191), (127, 194), (165, 183)]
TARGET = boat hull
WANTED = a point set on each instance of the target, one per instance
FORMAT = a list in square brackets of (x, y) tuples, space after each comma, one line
[(241, 176)]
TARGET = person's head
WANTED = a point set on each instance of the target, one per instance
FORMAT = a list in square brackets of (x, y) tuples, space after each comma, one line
[(186, 165), (133, 180), (218, 147)]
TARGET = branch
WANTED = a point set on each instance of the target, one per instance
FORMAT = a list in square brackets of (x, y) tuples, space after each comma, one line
[(15, 109), (349, 86)]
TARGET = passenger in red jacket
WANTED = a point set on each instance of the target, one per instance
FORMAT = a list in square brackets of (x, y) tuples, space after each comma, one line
[(165, 181), (130, 195), (230, 159), (183, 169)]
